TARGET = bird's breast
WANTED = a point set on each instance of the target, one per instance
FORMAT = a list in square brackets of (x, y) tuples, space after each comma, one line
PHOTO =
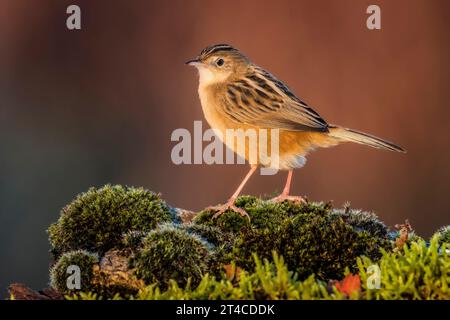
[(211, 104)]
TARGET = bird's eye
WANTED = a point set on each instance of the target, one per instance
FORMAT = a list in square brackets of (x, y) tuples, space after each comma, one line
[(220, 62)]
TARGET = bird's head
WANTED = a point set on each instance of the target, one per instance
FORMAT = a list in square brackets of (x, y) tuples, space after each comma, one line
[(217, 63)]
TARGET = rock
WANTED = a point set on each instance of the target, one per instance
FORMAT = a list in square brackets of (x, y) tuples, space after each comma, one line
[(186, 216), (19, 291)]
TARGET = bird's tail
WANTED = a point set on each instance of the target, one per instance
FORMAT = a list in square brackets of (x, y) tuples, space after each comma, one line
[(350, 135)]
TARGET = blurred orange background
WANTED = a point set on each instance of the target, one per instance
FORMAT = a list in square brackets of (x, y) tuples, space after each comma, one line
[(95, 106)]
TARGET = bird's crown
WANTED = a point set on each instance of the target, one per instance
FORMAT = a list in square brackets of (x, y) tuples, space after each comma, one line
[(215, 48)]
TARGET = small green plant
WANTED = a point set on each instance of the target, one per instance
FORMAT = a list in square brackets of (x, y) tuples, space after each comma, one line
[(417, 272), (82, 259), (96, 219), (169, 252)]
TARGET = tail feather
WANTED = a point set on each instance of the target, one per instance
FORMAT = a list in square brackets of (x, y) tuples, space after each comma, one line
[(350, 135)]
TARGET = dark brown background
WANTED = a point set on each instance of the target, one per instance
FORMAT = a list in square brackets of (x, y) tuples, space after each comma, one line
[(85, 108)]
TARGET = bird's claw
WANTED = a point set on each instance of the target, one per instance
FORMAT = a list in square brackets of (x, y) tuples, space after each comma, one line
[(295, 199), (221, 209)]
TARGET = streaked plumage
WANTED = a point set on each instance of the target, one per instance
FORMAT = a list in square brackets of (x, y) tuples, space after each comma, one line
[(237, 94)]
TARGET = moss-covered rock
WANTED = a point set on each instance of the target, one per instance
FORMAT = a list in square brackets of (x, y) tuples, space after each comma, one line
[(312, 237), (107, 277), (142, 244), (82, 259), (96, 219), (170, 252), (112, 276)]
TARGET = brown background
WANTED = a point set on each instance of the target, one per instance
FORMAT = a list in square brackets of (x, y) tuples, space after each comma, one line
[(85, 108)]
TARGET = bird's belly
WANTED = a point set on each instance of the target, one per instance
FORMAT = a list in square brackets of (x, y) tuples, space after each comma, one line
[(281, 150)]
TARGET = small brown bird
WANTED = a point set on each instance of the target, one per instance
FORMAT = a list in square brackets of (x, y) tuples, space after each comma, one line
[(237, 94)]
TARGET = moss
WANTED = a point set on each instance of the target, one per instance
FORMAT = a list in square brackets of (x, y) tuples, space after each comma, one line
[(312, 237), (269, 280), (147, 254), (419, 271), (212, 234), (363, 221), (263, 214), (222, 241), (81, 258), (169, 252), (443, 235), (133, 240), (108, 277), (326, 245), (96, 219)]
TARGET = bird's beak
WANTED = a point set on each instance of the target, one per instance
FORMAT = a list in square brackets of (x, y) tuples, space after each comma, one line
[(194, 62)]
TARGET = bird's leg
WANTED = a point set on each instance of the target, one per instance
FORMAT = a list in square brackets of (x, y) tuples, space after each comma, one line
[(285, 194), (230, 203)]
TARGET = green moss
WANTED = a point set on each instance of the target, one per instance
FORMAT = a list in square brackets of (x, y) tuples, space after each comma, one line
[(159, 258), (81, 258), (312, 237), (419, 271), (263, 214), (269, 280), (326, 245), (222, 241), (169, 252), (363, 221), (133, 239), (212, 234), (443, 234), (96, 219)]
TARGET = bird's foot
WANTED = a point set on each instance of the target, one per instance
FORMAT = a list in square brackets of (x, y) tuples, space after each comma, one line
[(282, 197), (221, 209)]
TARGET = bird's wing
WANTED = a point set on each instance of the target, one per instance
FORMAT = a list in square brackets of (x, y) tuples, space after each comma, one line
[(262, 100)]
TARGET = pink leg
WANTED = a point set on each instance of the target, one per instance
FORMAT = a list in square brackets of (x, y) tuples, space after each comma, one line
[(230, 203), (285, 194)]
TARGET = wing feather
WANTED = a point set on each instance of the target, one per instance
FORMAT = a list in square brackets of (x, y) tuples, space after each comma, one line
[(262, 100)]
